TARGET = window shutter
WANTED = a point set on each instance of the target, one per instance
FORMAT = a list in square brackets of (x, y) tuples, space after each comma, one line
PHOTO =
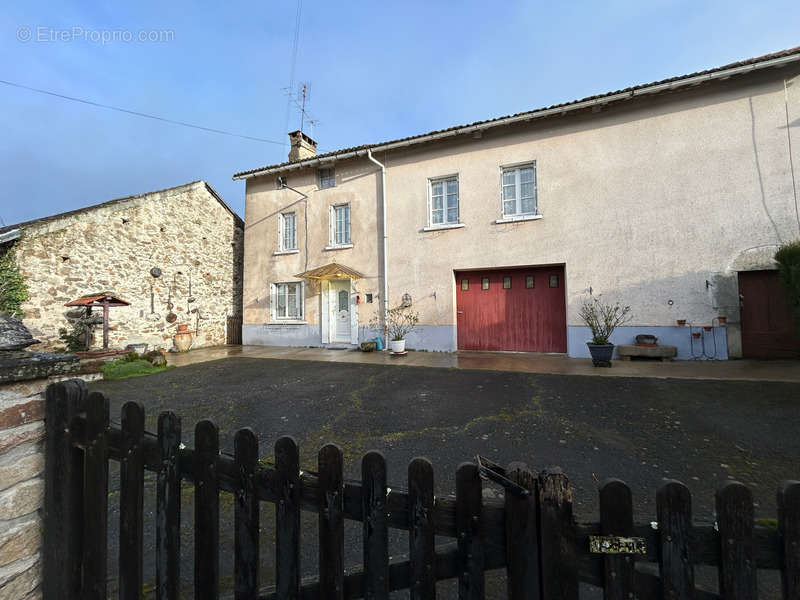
[(280, 233), (273, 300)]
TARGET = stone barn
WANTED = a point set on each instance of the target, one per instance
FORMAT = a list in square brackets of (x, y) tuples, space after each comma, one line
[(174, 255)]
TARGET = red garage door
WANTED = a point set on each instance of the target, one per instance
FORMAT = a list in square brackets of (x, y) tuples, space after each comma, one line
[(512, 309)]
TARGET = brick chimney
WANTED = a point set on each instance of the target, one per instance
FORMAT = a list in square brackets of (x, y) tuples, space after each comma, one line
[(302, 146)]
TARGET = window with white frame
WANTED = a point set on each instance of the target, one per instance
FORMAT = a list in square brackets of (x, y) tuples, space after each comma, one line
[(443, 201), (327, 178), (340, 225), (287, 231), (519, 190), (287, 301)]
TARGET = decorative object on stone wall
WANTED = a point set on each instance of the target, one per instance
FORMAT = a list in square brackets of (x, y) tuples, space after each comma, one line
[(155, 272), (183, 338), (191, 298), (406, 300), (13, 334)]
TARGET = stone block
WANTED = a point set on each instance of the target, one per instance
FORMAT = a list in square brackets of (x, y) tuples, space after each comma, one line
[(21, 541), (24, 434), (27, 412), (22, 499), (20, 579), (664, 352), (25, 462)]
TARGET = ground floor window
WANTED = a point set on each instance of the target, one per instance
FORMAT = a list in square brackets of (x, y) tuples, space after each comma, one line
[(287, 300)]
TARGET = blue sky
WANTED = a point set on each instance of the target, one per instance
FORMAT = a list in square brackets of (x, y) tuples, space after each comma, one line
[(377, 71)]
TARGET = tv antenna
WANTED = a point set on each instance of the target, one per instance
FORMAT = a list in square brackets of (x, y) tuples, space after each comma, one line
[(301, 99)]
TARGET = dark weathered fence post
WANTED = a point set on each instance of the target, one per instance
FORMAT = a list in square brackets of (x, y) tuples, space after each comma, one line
[(95, 498), (421, 533), (131, 502), (737, 567), (287, 518), (789, 530), (168, 508), (559, 570), (206, 511), (375, 527), (246, 516), (674, 510), (522, 535), (469, 529), (63, 495), (616, 518), (331, 523)]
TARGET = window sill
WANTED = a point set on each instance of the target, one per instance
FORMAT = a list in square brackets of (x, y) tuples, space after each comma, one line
[(342, 247), (288, 322), (444, 226), (517, 219), (282, 252)]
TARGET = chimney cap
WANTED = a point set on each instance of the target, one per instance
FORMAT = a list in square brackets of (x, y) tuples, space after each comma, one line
[(299, 134)]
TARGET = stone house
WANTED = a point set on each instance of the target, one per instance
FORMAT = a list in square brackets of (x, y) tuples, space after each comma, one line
[(670, 197), (186, 235)]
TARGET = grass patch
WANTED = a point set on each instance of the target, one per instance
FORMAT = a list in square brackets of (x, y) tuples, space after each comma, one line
[(122, 369)]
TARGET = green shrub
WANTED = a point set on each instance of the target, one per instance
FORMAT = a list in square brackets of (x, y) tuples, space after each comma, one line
[(13, 291), (123, 368), (73, 337), (788, 259)]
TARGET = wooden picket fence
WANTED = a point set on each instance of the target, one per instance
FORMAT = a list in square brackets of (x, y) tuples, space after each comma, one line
[(531, 533)]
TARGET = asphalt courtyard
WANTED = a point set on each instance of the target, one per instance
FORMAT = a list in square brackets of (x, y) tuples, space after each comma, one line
[(642, 430)]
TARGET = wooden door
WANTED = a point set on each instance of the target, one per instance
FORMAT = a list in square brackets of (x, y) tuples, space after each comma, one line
[(521, 310), (767, 328)]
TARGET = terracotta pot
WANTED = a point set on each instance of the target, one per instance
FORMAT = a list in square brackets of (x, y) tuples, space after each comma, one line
[(183, 327), (183, 339), (696, 336), (681, 322)]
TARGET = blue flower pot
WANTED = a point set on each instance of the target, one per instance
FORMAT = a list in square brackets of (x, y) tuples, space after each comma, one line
[(601, 354)]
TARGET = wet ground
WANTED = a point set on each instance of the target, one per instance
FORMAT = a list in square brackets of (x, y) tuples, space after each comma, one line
[(703, 432)]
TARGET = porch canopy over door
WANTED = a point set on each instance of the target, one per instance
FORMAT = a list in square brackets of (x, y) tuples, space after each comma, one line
[(329, 277)]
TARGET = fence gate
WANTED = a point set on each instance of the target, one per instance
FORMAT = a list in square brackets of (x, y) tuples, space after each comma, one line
[(531, 533)]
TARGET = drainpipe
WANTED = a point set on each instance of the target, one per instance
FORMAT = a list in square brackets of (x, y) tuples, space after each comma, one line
[(385, 247)]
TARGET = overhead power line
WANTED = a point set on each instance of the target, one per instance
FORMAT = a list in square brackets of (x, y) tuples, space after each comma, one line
[(137, 113)]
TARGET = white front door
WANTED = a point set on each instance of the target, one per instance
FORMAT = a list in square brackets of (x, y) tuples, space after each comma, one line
[(339, 301)]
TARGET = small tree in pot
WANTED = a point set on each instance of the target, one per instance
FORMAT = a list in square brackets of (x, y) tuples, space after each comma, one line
[(400, 322), (602, 319)]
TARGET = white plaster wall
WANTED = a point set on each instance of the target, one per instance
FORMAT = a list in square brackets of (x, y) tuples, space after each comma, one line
[(643, 203)]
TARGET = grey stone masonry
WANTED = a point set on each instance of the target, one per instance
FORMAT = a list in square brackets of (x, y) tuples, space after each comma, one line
[(23, 379)]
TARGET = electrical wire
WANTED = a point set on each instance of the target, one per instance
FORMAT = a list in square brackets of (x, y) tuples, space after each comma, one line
[(137, 113)]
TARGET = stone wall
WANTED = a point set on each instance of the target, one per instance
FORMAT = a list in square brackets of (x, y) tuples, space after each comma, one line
[(21, 487), (184, 231)]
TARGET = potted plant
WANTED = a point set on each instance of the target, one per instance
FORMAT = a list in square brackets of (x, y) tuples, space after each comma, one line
[(602, 319), (400, 322)]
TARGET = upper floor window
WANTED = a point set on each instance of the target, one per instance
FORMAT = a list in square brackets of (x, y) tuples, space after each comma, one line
[(519, 190), (327, 178), (444, 201), (287, 300), (340, 225), (287, 231)]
